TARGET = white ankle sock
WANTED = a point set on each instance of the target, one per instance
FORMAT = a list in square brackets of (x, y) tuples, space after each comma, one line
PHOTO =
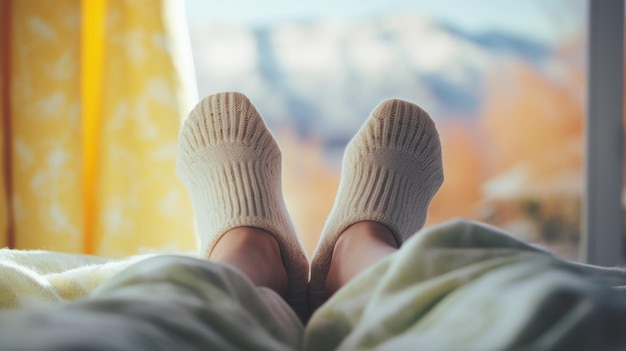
[(231, 166), (391, 170)]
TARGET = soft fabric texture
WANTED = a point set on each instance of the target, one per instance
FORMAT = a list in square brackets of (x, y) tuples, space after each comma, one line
[(391, 171), (161, 303), (456, 286), (98, 91), (231, 165), (467, 286), (43, 278)]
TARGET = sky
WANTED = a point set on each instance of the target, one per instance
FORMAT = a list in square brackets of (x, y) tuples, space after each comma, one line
[(548, 21)]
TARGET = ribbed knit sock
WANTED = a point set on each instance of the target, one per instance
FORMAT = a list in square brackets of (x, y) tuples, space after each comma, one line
[(391, 170), (231, 166)]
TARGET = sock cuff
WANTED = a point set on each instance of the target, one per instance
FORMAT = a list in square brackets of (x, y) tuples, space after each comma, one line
[(236, 193), (384, 196)]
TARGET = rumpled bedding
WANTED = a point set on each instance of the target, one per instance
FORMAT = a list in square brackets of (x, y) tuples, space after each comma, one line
[(463, 285), (460, 285), (36, 277)]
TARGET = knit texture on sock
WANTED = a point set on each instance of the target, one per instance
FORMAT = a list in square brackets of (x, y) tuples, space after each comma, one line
[(231, 166), (391, 170)]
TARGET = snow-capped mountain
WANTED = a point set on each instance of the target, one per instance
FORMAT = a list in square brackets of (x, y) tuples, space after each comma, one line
[(323, 78)]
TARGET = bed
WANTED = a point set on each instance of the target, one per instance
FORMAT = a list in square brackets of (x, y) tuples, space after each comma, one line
[(460, 285)]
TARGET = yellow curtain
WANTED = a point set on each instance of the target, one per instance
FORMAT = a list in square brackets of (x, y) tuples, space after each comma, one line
[(95, 97)]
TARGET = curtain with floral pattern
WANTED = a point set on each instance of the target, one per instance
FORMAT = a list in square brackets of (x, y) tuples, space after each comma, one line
[(93, 94)]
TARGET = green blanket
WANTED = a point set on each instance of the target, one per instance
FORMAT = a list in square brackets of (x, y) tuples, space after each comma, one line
[(457, 286), (468, 286)]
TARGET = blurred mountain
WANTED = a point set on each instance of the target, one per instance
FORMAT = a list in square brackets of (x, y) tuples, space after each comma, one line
[(509, 111), (323, 78)]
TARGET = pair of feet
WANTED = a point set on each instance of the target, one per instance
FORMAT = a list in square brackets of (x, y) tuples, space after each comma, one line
[(231, 165)]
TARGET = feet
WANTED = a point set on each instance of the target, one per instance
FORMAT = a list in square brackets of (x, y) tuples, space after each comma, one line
[(391, 171), (231, 166)]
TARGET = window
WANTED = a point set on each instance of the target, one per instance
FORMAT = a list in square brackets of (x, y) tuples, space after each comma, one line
[(504, 81)]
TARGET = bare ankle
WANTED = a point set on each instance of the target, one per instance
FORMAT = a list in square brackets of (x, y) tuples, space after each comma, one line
[(242, 238), (358, 247), (256, 253)]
